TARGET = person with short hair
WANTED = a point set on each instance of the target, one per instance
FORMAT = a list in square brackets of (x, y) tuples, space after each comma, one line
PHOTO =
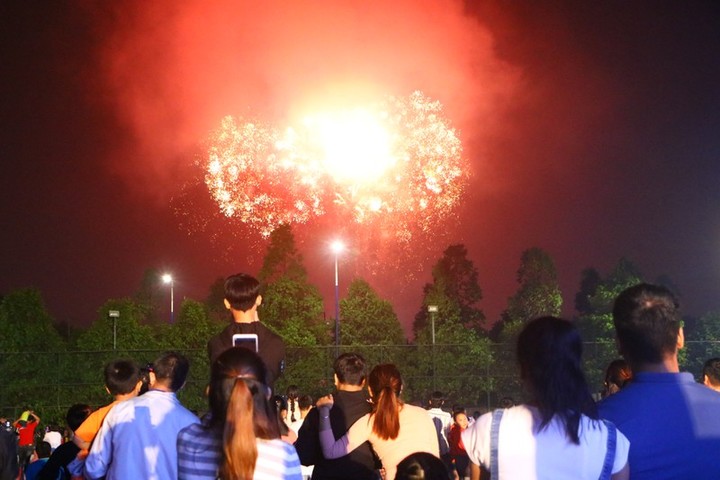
[(65, 453), (240, 438), (711, 374), (138, 437), (393, 428), (350, 404), (122, 381), (672, 422), (558, 433), (242, 298)]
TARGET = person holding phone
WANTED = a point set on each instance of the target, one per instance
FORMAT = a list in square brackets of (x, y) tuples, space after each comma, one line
[(242, 298)]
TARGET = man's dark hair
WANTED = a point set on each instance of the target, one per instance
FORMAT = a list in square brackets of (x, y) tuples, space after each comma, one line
[(43, 449), (437, 399), (711, 368), (647, 322), (76, 415), (121, 376), (350, 369), (241, 291), (172, 368)]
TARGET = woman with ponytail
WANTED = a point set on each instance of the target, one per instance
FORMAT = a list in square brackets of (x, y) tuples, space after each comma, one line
[(239, 439), (394, 429)]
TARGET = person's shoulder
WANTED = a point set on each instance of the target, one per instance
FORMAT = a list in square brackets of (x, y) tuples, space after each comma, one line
[(710, 397), (275, 444), (116, 409), (418, 412), (193, 429), (267, 331), (414, 408)]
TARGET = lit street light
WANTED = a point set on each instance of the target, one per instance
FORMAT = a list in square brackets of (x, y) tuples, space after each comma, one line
[(114, 314), (337, 248), (167, 278)]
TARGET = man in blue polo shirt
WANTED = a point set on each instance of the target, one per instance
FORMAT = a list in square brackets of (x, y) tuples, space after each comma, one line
[(673, 423)]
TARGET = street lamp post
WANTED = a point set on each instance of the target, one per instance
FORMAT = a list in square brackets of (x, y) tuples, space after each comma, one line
[(432, 310), (114, 314), (337, 248), (167, 278)]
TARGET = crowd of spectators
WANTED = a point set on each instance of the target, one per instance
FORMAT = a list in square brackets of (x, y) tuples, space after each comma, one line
[(651, 422)]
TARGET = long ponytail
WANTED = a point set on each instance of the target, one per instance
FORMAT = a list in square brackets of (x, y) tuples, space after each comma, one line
[(240, 412), (239, 447), (386, 384)]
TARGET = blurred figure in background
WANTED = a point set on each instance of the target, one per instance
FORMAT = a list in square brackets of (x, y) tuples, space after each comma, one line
[(711, 374), (617, 375), (422, 466)]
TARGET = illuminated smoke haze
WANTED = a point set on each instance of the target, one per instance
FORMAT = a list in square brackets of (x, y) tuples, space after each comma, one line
[(177, 71)]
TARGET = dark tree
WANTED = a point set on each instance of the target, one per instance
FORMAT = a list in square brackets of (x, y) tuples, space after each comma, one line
[(589, 281), (456, 276)]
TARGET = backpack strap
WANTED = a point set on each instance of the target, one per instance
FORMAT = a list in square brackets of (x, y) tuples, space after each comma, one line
[(494, 439), (609, 451)]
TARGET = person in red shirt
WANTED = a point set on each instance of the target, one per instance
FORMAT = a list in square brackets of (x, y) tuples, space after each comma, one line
[(25, 427), (459, 456)]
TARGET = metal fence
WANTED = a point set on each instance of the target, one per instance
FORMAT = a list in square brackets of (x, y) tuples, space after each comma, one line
[(49, 382)]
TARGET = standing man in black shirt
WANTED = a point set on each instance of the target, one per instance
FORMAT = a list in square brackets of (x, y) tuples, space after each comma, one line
[(350, 403), (242, 298)]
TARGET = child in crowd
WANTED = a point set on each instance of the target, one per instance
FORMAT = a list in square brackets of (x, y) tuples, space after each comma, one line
[(458, 455)]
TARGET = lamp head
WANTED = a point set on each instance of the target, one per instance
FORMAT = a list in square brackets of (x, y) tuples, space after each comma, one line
[(337, 247)]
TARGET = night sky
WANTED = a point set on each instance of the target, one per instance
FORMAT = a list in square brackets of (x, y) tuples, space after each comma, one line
[(591, 130)]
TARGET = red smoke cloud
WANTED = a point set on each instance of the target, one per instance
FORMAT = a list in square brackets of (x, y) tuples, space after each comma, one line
[(175, 69)]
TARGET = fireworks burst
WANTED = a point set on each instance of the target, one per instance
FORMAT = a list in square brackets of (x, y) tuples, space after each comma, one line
[(395, 167)]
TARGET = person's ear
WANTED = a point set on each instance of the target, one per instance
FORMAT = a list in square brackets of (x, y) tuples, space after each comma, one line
[(107, 389), (227, 303), (336, 381), (138, 386), (153, 378), (706, 381), (258, 301), (681, 339)]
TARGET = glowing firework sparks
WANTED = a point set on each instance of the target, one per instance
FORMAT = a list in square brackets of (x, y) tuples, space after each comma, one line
[(396, 166), (250, 177)]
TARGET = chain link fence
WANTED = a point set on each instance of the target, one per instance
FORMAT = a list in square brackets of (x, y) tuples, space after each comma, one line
[(49, 382)]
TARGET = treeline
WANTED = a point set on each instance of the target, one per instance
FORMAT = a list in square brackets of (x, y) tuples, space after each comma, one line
[(471, 363)]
